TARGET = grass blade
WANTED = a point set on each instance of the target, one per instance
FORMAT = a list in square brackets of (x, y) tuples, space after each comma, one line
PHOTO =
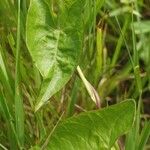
[(145, 134), (19, 113)]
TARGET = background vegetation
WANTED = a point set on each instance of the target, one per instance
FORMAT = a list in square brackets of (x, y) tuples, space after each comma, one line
[(115, 60)]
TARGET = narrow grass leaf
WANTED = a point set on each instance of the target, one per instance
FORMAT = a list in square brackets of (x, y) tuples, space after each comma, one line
[(19, 110), (145, 134)]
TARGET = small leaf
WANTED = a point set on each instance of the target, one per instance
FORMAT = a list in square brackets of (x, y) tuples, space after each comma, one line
[(94, 130), (90, 89), (54, 39), (142, 27)]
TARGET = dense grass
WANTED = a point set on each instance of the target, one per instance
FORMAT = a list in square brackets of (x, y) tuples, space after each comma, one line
[(115, 60)]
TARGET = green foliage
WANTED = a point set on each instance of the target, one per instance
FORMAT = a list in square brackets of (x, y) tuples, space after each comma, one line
[(142, 27), (94, 130), (55, 42), (144, 135), (41, 44)]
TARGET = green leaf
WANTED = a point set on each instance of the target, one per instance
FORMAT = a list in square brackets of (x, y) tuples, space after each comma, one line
[(99, 4), (35, 148), (145, 135), (92, 8), (94, 130), (54, 40), (142, 27)]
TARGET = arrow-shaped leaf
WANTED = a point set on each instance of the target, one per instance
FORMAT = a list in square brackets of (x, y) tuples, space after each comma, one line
[(95, 130), (54, 39)]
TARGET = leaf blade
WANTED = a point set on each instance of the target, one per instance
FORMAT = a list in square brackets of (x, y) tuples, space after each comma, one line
[(94, 130), (55, 43)]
